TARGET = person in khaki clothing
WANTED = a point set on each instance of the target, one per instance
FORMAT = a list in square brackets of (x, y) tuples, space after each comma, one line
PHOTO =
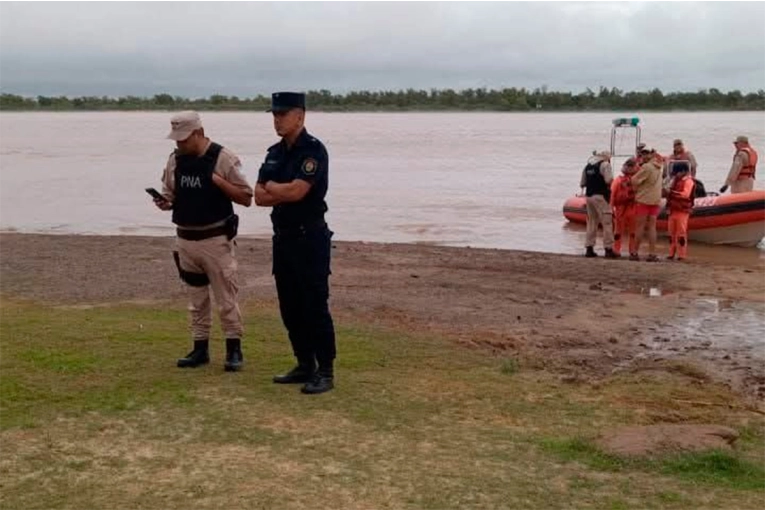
[(647, 183), (741, 175), (596, 181), (200, 182)]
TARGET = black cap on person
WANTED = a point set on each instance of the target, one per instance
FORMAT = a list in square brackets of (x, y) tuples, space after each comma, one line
[(284, 101)]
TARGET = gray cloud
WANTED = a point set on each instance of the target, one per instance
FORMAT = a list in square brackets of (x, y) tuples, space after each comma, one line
[(244, 48)]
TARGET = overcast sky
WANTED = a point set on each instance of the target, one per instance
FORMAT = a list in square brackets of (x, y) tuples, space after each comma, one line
[(236, 48)]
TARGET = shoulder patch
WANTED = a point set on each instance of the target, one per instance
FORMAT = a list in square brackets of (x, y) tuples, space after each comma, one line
[(309, 166)]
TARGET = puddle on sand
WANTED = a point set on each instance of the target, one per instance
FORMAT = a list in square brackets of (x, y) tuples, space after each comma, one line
[(726, 336), (718, 325)]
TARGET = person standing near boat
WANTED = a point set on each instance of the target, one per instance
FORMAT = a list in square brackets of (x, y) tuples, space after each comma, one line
[(648, 186), (741, 175), (679, 153), (623, 204), (679, 205), (596, 180)]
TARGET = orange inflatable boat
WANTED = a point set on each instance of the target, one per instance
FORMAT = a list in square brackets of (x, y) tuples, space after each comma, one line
[(721, 219)]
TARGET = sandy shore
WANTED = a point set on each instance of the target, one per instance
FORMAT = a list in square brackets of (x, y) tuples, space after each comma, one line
[(584, 319)]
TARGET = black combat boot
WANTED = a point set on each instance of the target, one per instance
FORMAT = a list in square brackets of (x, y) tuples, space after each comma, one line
[(199, 356), (321, 382), (590, 252), (302, 373), (611, 254), (234, 357)]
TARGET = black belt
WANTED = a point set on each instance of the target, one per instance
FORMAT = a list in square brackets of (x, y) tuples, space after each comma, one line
[(198, 235), (299, 228)]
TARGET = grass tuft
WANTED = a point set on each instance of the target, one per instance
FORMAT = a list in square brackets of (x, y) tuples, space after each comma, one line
[(712, 468), (509, 366)]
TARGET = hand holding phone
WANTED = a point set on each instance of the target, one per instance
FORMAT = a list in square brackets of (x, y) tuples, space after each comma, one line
[(159, 200), (156, 194)]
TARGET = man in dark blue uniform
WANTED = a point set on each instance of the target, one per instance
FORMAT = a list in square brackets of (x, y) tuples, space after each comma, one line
[(293, 180)]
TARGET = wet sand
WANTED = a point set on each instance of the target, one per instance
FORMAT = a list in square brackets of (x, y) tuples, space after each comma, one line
[(583, 319)]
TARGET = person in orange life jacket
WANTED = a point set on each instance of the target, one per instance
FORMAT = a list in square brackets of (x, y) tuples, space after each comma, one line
[(596, 180), (623, 204), (648, 190), (200, 181), (741, 175), (293, 180), (679, 205), (679, 153)]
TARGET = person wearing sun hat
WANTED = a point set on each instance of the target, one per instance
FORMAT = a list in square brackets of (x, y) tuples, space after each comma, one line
[(647, 183), (680, 153), (596, 181), (742, 171)]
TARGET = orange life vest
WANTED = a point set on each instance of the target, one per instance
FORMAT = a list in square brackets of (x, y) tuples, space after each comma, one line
[(622, 192), (748, 171), (677, 203), (683, 156)]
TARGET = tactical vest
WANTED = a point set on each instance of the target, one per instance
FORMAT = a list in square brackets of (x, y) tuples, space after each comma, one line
[(596, 184), (198, 201)]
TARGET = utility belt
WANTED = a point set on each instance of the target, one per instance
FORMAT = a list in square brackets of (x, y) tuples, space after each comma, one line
[(228, 229), (298, 229)]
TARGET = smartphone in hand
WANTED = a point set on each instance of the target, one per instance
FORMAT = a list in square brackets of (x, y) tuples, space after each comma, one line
[(155, 194)]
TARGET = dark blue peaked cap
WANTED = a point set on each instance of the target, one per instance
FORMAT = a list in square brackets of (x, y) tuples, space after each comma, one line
[(680, 166), (283, 101)]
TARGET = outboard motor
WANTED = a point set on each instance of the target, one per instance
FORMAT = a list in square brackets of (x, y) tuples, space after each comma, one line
[(699, 190)]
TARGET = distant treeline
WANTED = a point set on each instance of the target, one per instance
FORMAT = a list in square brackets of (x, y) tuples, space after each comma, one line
[(512, 99)]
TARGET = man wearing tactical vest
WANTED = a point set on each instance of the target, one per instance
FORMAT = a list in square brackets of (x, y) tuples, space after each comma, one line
[(293, 180), (200, 182), (741, 174), (596, 181)]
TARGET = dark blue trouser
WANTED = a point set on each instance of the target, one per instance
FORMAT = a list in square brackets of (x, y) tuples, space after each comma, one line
[(301, 269)]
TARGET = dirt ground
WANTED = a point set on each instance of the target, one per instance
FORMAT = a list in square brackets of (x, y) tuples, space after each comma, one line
[(584, 319)]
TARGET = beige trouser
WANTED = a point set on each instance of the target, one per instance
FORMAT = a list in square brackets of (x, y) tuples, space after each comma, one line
[(214, 257), (742, 186), (599, 212)]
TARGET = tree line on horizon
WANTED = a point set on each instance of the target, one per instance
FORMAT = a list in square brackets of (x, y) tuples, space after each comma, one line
[(480, 99)]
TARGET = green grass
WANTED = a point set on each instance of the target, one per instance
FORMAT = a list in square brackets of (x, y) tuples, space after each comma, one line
[(94, 414), (711, 468), (509, 366), (716, 467)]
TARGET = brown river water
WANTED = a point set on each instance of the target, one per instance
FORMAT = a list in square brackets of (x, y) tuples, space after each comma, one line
[(493, 180)]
